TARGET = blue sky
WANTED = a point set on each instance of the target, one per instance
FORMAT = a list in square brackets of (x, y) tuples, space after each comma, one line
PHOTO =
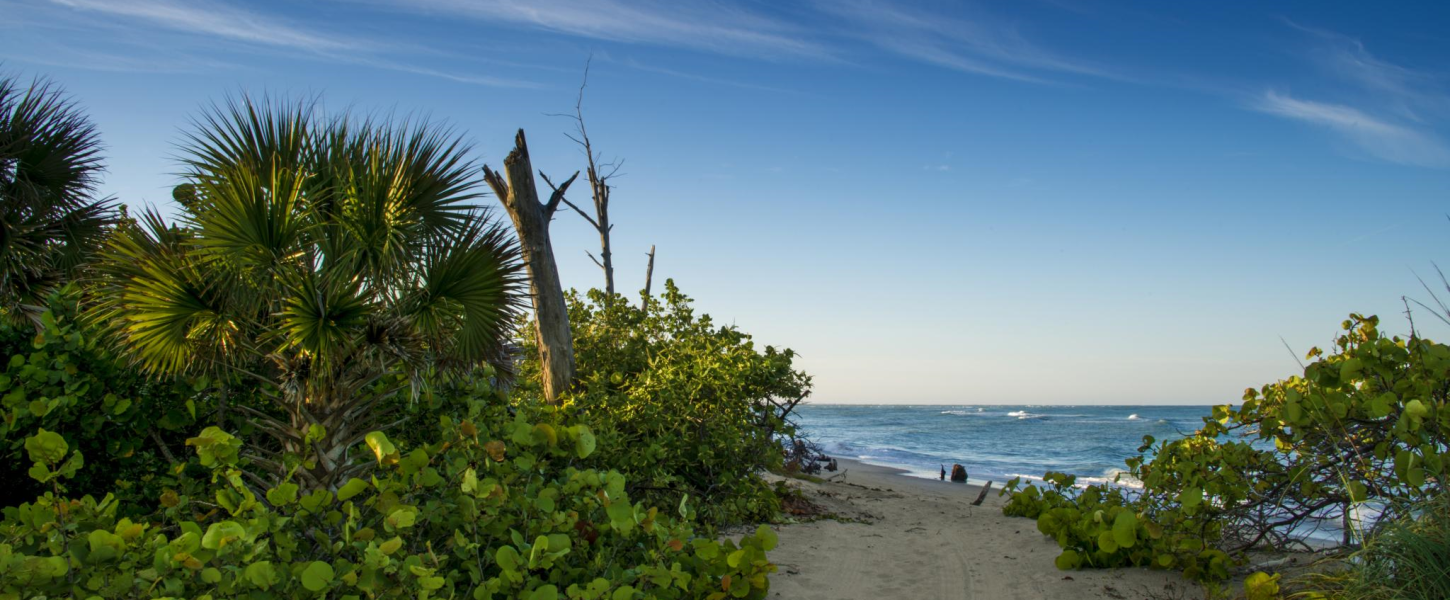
[(933, 202)]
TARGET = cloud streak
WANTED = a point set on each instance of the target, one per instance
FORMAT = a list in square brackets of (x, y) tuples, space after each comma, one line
[(1412, 93), (1385, 140), (224, 21), (212, 18), (982, 45), (699, 25)]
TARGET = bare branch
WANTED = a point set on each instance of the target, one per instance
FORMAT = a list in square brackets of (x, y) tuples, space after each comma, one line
[(581, 213), (558, 194)]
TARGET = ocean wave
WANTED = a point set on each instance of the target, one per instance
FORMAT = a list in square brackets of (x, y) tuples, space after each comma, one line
[(1133, 417)]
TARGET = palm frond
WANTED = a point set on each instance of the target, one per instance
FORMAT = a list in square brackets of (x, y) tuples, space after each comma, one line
[(471, 293), (388, 187), (50, 165), (324, 317), (160, 300)]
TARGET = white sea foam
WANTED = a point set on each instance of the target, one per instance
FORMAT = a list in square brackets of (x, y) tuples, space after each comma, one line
[(1133, 417)]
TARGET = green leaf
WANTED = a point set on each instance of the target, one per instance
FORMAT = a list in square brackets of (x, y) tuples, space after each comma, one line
[(545, 592), (1416, 408), (317, 576), (381, 446), (537, 551), (261, 574), (507, 558), (391, 546), (621, 515), (215, 447), (46, 447), (1415, 476), (403, 518), (282, 495), (1068, 560), (1107, 542), (352, 488), (1125, 529), (219, 534), (768, 538), (1382, 405), (104, 546), (584, 446), (1261, 586), (1190, 498)]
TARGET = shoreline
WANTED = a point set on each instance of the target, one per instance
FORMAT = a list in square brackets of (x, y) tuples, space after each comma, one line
[(899, 536)]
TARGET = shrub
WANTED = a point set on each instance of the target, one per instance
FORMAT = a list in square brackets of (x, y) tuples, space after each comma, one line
[(686, 407), (482, 512), (61, 379), (1366, 426)]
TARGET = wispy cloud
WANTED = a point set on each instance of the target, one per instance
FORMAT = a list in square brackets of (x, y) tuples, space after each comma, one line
[(1390, 111), (212, 20), (701, 25), (982, 44), (1410, 92), (1382, 139), (635, 64)]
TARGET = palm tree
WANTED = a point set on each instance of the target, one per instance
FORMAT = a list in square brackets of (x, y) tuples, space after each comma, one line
[(49, 167), (336, 262)]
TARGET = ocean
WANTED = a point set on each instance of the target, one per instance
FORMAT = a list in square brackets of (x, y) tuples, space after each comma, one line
[(995, 442)]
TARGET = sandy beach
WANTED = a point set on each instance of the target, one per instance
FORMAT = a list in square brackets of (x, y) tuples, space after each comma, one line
[(907, 537)]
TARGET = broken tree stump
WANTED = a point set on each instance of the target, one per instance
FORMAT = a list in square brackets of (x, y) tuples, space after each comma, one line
[(959, 474)]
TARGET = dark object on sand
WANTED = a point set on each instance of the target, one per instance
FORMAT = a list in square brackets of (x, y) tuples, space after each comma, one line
[(832, 466), (943, 472), (982, 495), (959, 474)]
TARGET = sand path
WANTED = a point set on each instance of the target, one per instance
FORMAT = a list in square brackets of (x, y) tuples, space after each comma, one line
[(920, 538)]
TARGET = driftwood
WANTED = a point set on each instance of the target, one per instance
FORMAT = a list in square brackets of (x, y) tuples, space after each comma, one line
[(982, 495), (520, 197)]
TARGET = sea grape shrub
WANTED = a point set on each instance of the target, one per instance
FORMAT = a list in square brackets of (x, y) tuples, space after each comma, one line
[(483, 512), (62, 379), (1367, 424), (687, 407), (1102, 527)]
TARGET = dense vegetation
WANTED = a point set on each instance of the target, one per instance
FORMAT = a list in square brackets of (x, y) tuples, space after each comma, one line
[(687, 407), (1365, 430), (308, 384)]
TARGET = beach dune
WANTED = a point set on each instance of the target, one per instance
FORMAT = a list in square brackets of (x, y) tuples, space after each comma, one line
[(906, 537)]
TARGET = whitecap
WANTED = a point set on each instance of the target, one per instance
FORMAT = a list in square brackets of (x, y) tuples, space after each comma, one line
[(1133, 417)]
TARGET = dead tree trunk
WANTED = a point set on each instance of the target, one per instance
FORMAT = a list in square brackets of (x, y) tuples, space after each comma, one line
[(649, 271), (598, 189), (531, 219)]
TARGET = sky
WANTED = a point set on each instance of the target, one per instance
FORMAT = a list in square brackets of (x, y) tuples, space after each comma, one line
[(1032, 202)]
